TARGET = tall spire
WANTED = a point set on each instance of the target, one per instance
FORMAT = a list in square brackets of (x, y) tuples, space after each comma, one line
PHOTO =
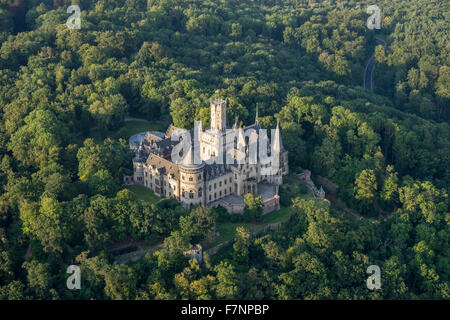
[(240, 146), (277, 143), (257, 114)]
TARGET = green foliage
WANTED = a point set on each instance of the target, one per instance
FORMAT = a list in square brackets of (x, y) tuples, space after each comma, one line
[(253, 207), (302, 64)]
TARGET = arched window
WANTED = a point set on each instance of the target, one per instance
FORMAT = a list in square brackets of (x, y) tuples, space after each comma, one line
[(200, 192)]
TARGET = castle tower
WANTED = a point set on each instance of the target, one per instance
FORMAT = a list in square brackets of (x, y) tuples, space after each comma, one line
[(277, 144), (192, 181), (219, 114), (277, 151)]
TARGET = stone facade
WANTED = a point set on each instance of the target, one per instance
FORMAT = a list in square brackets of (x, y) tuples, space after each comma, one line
[(199, 183)]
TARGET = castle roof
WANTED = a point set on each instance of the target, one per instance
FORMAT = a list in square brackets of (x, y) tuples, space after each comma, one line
[(165, 167), (215, 170), (170, 131)]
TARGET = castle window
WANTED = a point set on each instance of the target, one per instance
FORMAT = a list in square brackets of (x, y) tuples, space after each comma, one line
[(209, 187), (215, 196), (230, 180), (215, 186), (182, 177), (209, 197), (191, 195), (199, 177), (220, 183), (220, 193), (200, 192)]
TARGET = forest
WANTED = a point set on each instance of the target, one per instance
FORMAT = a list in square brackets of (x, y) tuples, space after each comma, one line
[(300, 62)]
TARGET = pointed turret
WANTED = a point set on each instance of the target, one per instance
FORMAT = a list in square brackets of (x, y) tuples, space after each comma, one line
[(235, 126), (188, 160), (257, 114), (277, 143), (141, 149), (240, 146), (241, 138)]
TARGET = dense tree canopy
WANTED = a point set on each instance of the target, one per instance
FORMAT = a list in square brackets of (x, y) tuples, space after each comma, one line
[(299, 62)]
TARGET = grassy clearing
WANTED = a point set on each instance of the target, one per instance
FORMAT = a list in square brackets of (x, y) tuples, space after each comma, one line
[(144, 193), (295, 188)]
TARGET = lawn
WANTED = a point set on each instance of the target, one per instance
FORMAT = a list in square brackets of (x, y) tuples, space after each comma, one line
[(144, 193), (296, 188), (228, 229), (129, 129)]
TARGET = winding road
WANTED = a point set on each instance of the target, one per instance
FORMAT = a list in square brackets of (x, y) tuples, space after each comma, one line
[(368, 74)]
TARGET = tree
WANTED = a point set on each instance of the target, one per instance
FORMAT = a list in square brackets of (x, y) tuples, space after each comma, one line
[(227, 286), (253, 207), (120, 283), (38, 142), (45, 223), (389, 192), (241, 248), (366, 186), (39, 279), (200, 223)]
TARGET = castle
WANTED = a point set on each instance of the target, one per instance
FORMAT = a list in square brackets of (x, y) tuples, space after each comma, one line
[(205, 175)]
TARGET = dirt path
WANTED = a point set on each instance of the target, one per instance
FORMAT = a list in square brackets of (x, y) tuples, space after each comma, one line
[(138, 254), (28, 253), (130, 119), (368, 73)]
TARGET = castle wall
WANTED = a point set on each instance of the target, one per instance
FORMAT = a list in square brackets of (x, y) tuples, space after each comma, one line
[(192, 186), (219, 187)]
